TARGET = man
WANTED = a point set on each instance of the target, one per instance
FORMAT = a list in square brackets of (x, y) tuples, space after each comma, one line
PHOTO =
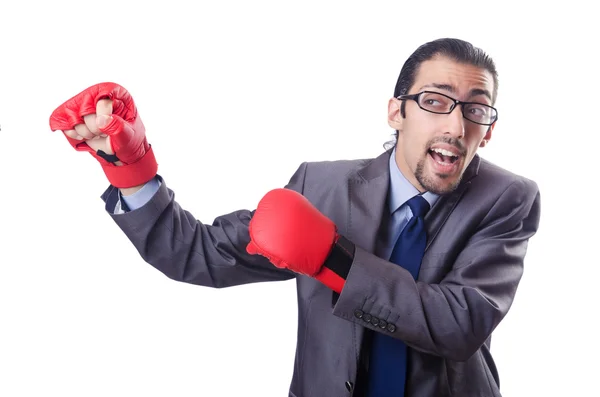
[(404, 263)]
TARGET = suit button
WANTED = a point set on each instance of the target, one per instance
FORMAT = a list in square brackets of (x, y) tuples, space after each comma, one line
[(367, 317), (358, 313), (383, 324), (391, 328), (375, 321), (349, 386)]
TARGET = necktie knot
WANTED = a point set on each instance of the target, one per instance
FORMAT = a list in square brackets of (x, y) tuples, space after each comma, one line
[(418, 205)]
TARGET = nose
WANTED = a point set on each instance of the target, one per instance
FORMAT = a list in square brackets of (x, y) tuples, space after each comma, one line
[(455, 123)]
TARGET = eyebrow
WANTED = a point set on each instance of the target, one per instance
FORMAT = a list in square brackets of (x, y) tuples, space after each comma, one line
[(451, 89)]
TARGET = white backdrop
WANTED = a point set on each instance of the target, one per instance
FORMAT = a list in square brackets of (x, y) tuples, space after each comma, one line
[(234, 96)]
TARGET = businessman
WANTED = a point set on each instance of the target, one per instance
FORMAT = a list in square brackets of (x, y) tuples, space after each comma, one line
[(404, 263)]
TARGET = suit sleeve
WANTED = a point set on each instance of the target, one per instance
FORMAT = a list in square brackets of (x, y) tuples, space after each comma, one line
[(184, 249), (455, 317)]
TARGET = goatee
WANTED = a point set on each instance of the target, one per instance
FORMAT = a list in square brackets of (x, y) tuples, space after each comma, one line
[(430, 185)]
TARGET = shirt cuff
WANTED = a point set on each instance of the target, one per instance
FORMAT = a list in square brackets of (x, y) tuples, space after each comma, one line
[(141, 197)]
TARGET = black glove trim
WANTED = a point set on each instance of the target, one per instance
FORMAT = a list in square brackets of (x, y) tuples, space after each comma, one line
[(341, 257), (111, 158)]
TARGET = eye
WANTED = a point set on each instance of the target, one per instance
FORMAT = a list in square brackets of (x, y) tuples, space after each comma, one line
[(432, 102), (478, 111), (435, 102)]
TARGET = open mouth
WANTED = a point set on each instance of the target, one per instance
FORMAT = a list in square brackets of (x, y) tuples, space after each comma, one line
[(445, 161), (443, 157)]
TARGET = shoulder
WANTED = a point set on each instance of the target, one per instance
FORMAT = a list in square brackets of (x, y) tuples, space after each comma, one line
[(337, 169), (497, 190), (328, 172), (494, 178)]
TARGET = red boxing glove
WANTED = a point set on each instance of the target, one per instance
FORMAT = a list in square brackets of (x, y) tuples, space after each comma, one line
[(289, 231), (125, 129)]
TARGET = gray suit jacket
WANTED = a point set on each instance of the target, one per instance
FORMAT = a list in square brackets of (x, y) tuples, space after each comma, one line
[(477, 240)]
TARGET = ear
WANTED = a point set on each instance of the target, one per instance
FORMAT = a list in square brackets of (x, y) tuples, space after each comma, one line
[(395, 119), (488, 135)]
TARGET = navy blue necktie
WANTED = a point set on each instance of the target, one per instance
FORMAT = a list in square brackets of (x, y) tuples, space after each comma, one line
[(387, 363)]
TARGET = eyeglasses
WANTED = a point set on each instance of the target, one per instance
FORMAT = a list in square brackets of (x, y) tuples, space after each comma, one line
[(435, 102)]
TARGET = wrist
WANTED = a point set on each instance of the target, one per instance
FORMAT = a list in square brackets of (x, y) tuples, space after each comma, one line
[(132, 176), (337, 265), (128, 191)]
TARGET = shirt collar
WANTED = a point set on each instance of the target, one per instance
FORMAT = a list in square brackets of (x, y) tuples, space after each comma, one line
[(401, 190)]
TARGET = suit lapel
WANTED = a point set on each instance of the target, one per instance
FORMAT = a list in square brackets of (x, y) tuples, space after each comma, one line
[(367, 191)]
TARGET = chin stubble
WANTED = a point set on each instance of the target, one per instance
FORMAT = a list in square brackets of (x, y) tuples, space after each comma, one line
[(430, 185)]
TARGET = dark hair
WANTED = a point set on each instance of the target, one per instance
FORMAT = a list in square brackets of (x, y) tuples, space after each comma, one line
[(455, 49)]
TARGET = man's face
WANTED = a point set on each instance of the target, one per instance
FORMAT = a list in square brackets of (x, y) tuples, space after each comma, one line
[(426, 140)]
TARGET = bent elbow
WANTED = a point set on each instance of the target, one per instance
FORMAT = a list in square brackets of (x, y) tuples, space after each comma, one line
[(460, 354)]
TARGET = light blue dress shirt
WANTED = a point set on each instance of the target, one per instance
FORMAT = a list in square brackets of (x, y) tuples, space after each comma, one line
[(401, 190)]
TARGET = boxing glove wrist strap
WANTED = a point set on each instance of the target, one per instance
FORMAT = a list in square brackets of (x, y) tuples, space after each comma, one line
[(337, 265), (134, 174)]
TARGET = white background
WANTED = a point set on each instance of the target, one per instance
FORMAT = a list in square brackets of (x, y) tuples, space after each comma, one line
[(234, 96)]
